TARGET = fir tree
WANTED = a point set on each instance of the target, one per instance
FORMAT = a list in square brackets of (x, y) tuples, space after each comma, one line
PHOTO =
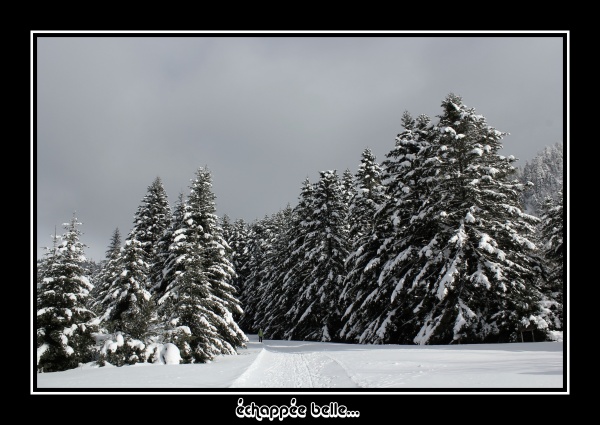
[(199, 298), (170, 247), (348, 189), (236, 235), (227, 227), (376, 252), (238, 242), (43, 264), (553, 252), (172, 258), (543, 177), (151, 219), (294, 270), (127, 305), (552, 233), (218, 268), (114, 248), (316, 313), (107, 274), (92, 270), (472, 278), (453, 252), (272, 301), (256, 265), (367, 196), (64, 324), (268, 250)]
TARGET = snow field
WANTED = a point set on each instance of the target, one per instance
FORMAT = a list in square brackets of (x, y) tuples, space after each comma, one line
[(303, 364)]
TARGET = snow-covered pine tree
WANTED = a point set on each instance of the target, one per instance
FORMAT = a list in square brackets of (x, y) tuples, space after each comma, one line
[(196, 328), (127, 305), (552, 233), (260, 263), (44, 263), (199, 298), (267, 253), (227, 227), (151, 219), (40, 268), (64, 324), (473, 277), (169, 249), (236, 235), (255, 265), (240, 237), (271, 305), (171, 264), (107, 274), (293, 271), (316, 313), (545, 171), (92, 270), (553, 251), (367, 196), (377, 253), (114, 248), (348, 189), (219, 270)]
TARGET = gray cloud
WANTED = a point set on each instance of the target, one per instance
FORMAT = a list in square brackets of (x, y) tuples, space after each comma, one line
[(262, 112)]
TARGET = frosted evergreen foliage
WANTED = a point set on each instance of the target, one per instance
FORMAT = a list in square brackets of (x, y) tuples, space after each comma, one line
[(43, 264), (64, 323), (367, 196), (256, 264), (127, 305), (236, 234), (543, 176), (455, 261), (151, 220), (348, 189), (551, 239), (471, 279), (291, 272), (108, 273), (377, 252), (199, 301), (170, 247), (272, 303), (316, 313)]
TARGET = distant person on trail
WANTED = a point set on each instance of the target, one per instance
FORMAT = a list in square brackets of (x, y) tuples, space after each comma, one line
[(260, 335)]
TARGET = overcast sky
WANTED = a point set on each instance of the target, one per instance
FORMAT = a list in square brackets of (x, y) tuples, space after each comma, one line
[(262, 113)]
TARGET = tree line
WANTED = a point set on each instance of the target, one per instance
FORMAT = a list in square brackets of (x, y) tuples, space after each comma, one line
[(169, 282), (432, 246)]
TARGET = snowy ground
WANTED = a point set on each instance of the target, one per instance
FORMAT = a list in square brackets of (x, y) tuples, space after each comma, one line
[(298, 364)]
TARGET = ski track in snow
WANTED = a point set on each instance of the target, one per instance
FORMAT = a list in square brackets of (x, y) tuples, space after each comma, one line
[(304, 364), (277, 368)]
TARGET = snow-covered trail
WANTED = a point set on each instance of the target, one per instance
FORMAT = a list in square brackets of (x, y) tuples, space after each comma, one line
[(303, 364), (280, 366)]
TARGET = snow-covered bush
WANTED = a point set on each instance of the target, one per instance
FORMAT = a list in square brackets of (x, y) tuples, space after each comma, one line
[(163, 353), (125, 350), (122, 351), (181, 337)]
